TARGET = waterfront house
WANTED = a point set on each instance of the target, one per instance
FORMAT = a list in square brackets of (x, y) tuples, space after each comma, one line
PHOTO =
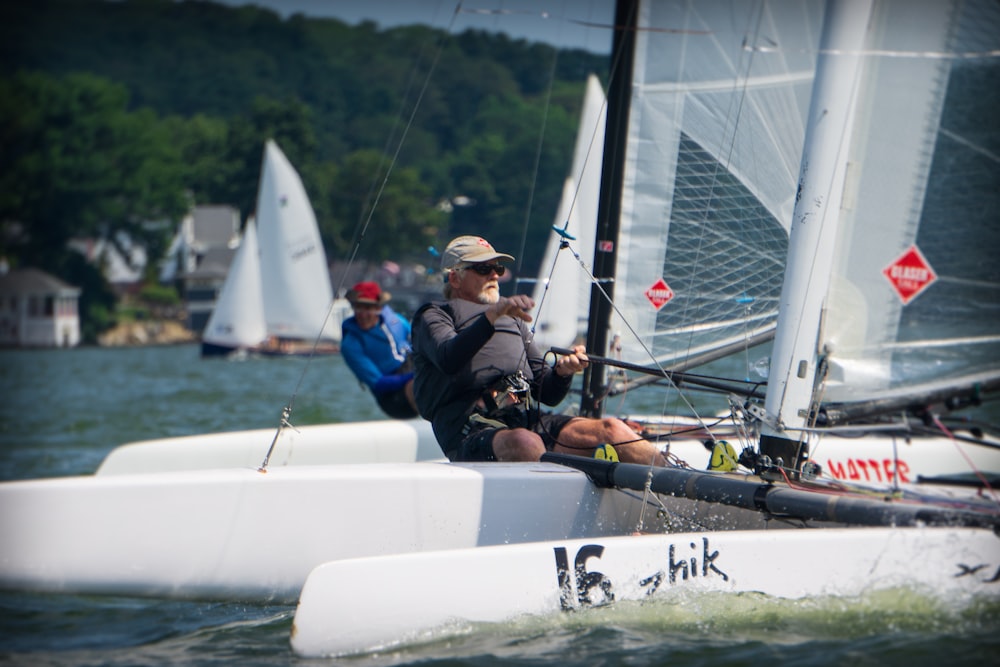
[(38, 310)]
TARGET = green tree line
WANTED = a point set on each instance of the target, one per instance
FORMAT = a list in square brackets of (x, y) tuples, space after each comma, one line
[(115, 115)]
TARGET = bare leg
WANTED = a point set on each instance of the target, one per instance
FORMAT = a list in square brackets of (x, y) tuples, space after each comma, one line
[(583, 435)]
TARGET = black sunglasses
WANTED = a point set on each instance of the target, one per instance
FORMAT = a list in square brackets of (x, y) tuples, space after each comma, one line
[(487, 269)]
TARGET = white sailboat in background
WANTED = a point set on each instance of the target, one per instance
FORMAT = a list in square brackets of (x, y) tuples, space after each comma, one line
[(563, 538), (237, 321), (282, 282)]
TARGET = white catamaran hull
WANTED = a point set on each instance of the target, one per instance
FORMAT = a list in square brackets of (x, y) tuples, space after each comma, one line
[(380, 441), (239, 533), (367, 604), (243, 534)]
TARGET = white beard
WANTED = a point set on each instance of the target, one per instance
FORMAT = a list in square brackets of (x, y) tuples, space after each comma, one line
[(488, 298)]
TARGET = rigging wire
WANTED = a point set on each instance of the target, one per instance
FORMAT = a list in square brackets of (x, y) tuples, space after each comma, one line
[(972, 466)]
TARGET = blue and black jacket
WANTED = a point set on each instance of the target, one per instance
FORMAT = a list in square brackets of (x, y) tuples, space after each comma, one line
[(377, 355)]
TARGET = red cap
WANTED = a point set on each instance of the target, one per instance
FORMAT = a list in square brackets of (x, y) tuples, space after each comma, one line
[(368, 292)]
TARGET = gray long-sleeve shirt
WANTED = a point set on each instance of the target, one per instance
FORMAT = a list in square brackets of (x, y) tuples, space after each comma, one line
[(458, 354)]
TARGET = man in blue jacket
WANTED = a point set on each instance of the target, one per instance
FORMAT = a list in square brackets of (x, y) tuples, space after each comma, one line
[(375, 344)]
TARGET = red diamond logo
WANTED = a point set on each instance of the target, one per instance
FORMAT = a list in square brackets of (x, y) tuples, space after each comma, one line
[(910, 275), (659, 294)]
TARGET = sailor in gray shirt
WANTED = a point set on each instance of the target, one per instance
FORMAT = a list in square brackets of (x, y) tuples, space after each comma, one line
[(479, 378)]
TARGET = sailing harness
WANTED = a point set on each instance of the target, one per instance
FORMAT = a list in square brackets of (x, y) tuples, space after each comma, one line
[(504, 404), (507, 403)]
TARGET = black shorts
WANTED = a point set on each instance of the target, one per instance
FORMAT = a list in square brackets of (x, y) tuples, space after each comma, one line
[(396, 405), (478, 445)]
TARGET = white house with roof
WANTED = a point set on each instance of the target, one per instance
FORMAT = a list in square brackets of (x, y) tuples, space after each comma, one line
[(38, 310)]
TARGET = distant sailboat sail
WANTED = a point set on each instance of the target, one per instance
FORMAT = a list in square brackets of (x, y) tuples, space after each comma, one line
[(237, 321), (294, 271), (277, 294)]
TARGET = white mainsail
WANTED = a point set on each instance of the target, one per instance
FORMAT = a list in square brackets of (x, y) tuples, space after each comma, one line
[(294, 271), (923, 173), (715, 134), (893, 294), (237, 320)]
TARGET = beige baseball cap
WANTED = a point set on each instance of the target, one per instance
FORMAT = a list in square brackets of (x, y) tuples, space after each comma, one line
[(470, 250)]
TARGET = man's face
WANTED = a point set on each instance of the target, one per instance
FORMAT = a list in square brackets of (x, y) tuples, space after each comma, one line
[(478, 282), (366, 315)]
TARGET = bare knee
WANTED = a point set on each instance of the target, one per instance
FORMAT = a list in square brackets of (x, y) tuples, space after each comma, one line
[(632, 447), (518, 444), (616, 429)]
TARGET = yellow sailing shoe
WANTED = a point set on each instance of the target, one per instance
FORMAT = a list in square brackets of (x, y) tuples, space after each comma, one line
[(606, 453)]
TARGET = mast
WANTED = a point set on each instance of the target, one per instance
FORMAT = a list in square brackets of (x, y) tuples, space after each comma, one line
[(814, 228), (610, 204)]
